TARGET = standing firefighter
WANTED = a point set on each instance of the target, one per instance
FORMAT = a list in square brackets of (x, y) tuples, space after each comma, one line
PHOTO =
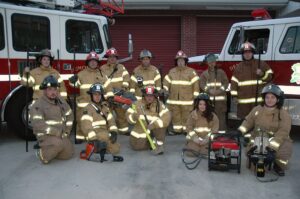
[(144, 75), (182, 86), (248, 79), (154, 115), (37, 75), (84, 80), (52, 121), (201, 122), (275, 123), (98, 124), (118, 78), (214, 81)]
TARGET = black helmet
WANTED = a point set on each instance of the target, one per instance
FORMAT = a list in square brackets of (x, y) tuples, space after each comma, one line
[(210, 58), (96, 88), (275, 90), (45, 53), (202, 96), (49, 81)]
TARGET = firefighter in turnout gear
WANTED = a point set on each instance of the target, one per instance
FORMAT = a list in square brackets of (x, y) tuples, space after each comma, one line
[(98, 124), (275, 121), (248, 78), (52, 121), (144, 75), (155, 116), (37, 75), (214, 81), (201, 122), (118, 78), (84, 80), (182, 86)]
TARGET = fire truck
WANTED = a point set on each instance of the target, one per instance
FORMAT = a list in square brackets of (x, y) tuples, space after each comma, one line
[(281, 50), (67, 27)]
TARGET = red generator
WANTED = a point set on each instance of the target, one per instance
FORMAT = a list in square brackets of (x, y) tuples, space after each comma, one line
[(224, 152)]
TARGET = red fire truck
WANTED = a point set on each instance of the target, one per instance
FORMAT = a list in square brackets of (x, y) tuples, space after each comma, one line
[(30, 26), (281, 51)]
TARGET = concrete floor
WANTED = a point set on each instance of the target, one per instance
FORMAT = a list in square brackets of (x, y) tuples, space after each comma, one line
[(141, 175)]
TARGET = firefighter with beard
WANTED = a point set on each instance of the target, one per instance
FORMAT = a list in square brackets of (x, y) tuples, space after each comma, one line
[(214, 81), (98, 124), (144, 75), (276, 122), (248, 79), (118, 80), (84, 80), (181, 84), (36, 76), (201, 122), (52, 121), (149, 109)]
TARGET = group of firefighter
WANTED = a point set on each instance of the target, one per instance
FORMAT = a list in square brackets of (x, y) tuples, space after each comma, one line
[(194, 106)]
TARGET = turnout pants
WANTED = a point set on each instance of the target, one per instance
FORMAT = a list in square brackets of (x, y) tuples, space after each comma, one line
[(53, 147), (179, 115), (143, 143)]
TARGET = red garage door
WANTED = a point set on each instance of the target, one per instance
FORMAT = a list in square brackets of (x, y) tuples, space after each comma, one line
[(212, 32), (160, 35)]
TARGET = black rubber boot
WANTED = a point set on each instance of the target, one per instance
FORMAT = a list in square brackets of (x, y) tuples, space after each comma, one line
[(118, 158), (278, 170)]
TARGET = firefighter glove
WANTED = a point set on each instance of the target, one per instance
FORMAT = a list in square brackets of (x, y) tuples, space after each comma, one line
[(73, 79), (113, 137)]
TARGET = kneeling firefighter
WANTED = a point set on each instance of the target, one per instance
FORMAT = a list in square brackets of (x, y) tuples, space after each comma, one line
[(271, 122), (99, 126), (153, 114)]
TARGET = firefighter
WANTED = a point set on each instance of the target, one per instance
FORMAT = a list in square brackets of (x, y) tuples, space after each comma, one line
[(151, 109), (37, 75), (248, 80), (52, 121), (181, 84), (118, 78), (200, 123), (98, 124), (214, 81), (272, 118), (84, 80), (144, 75)]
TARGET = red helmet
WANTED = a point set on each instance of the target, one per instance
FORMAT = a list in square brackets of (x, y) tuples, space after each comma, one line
[(149, 90), (110, 52), (92, 56), (247, 46), (181, 54)]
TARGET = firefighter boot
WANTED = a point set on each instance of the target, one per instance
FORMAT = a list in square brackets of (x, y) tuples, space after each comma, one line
[(118, 158), (159, 150), (278, 170)]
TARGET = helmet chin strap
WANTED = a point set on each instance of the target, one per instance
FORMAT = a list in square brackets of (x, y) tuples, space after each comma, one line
[(270, 106)]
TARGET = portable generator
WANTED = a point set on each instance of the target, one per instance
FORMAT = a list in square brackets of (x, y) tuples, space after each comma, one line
[(224, 152)]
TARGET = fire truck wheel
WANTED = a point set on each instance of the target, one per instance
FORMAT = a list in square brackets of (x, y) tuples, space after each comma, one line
[(15, 114)]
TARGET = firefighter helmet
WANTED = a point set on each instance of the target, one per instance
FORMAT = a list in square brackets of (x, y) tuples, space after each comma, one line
[(145, 53), (96, 88), (210, 58), (181, 54), (202, 96), (111, 52), (91, 56), (49, 81), (45, 53), (275, 90), (149, 90), (247, 46)]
